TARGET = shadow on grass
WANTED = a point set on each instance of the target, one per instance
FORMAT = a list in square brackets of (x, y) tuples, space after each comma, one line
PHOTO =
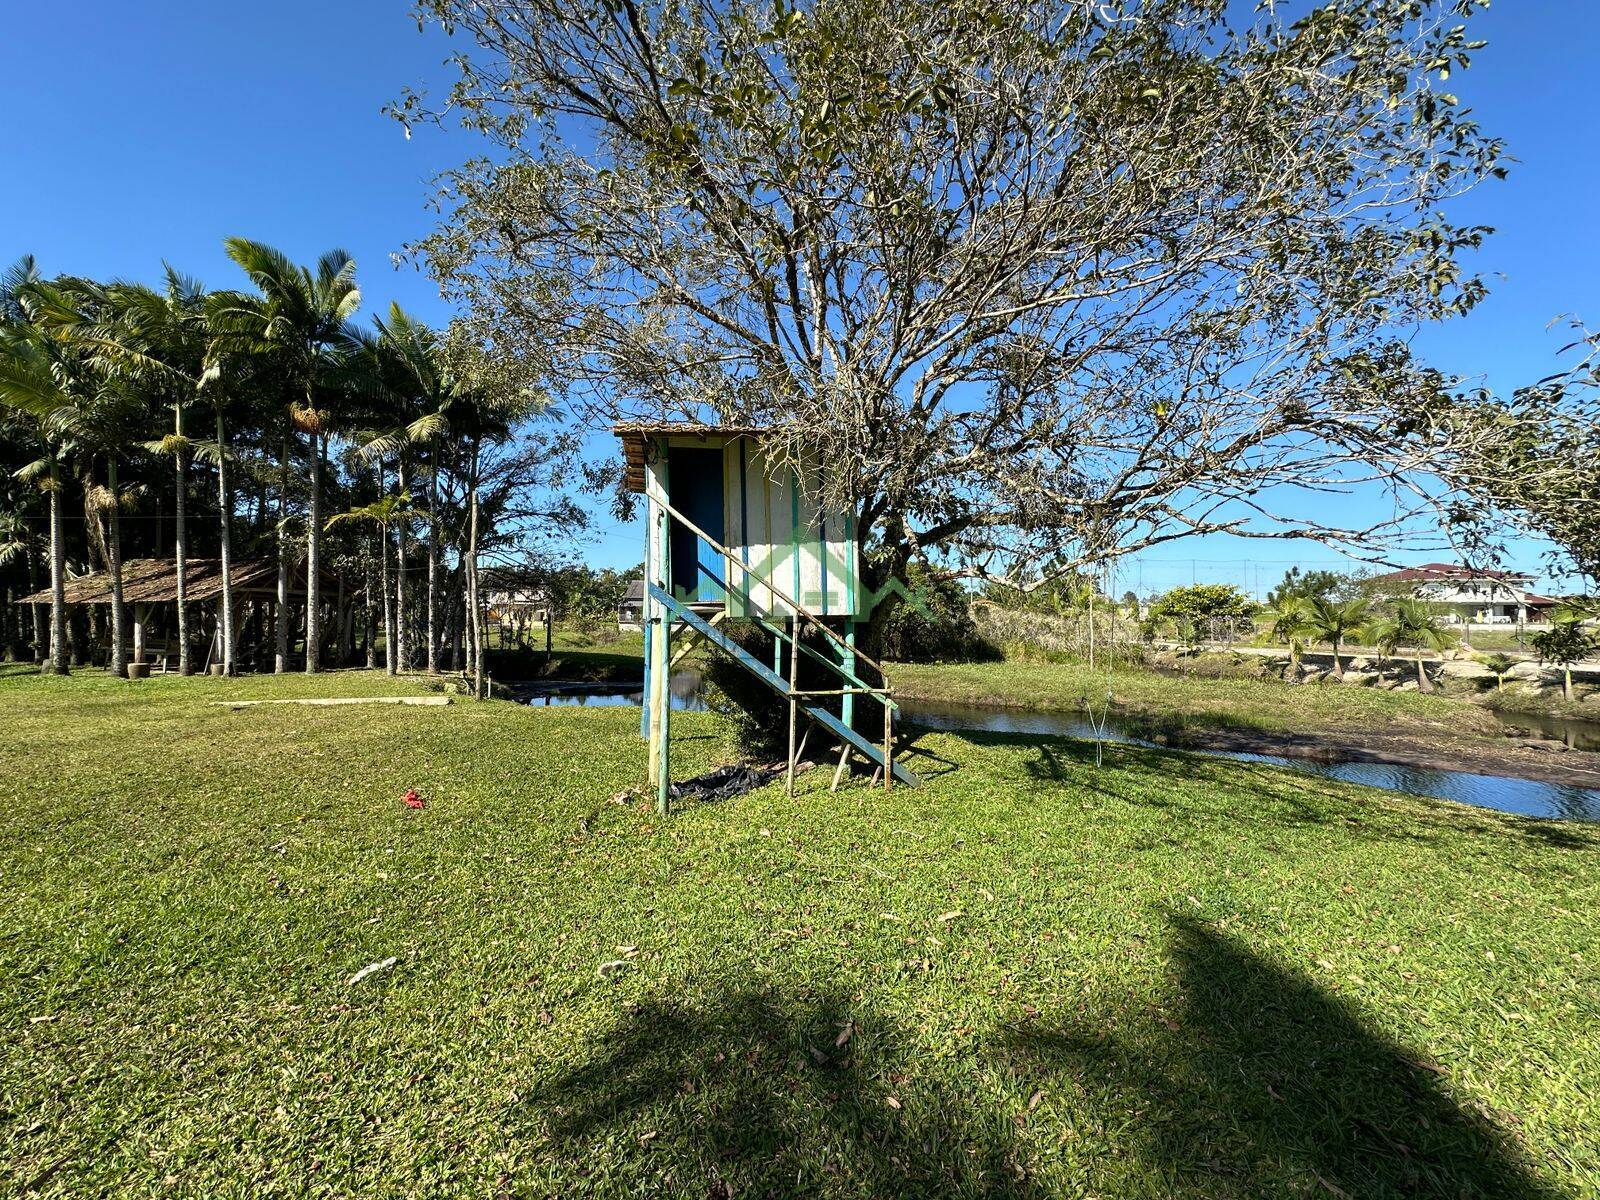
[(1252, 1081), (751, 1094), (1255, 1082)]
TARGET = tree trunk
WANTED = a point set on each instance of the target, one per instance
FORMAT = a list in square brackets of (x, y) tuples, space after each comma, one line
[(1423, 682), (180, 543), (281, 658), (433, 562), (369, 630), (41, 639), (1338, 667), (458, 616), (1566, 684), (225, 550), (400, 573), (389, 661), (58, 578), (119, 624), (314, 555), (474, 599)]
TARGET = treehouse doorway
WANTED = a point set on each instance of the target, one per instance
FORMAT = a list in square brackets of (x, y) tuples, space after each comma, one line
[(694, 476)]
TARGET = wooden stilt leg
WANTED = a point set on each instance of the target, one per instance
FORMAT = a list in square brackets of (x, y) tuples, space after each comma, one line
[(838, 772), (794, 682)]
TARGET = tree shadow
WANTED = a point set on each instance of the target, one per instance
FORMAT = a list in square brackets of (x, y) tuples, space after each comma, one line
[(1255, 1082), (752, 1093)]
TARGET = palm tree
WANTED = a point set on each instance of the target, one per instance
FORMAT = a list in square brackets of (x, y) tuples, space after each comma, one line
[(1290, 623), (384, 513), (305, 321), (1413, 623), (226, 314), (414, 354), (1378, 632), (164, 334), (52, 369), (1499, 664), (1332, 621)]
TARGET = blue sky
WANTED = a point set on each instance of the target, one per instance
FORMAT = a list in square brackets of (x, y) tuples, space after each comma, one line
[(134, 132)]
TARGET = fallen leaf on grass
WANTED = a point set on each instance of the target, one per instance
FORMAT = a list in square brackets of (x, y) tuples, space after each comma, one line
[(946, 918), (1035, 1100), (845, 1033), (372, 969), (607, 969), (893, 1102)]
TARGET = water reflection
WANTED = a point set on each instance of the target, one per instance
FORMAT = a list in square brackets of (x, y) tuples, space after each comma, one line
[(685, 691)]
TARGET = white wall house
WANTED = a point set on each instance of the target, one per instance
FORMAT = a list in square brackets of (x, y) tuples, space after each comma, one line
[(1475, 597)]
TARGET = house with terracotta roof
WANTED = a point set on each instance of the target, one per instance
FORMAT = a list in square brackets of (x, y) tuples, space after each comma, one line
[(1475, 596)]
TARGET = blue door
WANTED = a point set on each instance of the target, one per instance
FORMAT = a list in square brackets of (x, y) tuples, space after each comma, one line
[(694, 488)]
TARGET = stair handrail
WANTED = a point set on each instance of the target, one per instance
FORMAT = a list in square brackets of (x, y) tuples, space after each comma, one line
[(800, 609)]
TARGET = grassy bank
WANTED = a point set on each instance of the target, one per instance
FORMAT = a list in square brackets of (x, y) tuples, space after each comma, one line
[(1028, 978), (1199, 702)]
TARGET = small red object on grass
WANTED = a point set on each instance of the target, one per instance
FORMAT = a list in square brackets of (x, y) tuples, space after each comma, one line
[(412, 800)]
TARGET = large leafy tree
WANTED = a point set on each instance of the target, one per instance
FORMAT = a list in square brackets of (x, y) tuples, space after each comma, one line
[(1533, 457), (1040, 282), (303, 323)]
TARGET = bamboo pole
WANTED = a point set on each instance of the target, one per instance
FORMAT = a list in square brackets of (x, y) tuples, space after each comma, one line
[(838, 772), (888, 747)]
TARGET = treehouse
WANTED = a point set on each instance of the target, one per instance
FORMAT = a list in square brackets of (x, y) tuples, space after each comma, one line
[(732, 533)]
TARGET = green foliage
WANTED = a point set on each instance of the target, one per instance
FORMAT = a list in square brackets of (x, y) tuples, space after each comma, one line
[(1289, 623), (1201, 610), (943, 631), (585, 596), (1310, 585), (1565, 642), (1333, 621)]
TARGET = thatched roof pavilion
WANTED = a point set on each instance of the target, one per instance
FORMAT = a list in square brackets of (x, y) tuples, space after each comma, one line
[(155, 581)]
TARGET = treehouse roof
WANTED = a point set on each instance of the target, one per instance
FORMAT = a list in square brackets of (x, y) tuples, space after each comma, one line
[(634, 438)]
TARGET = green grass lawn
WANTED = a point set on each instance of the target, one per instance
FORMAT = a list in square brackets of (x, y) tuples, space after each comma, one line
[(1201, 701), (1169, 976)]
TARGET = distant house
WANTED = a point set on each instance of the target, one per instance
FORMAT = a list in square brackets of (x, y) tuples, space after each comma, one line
[(1473, 596), (630, 609), (512, 596)]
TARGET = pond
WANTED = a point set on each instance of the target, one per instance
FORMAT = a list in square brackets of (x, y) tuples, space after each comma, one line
[(1527, 797)]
